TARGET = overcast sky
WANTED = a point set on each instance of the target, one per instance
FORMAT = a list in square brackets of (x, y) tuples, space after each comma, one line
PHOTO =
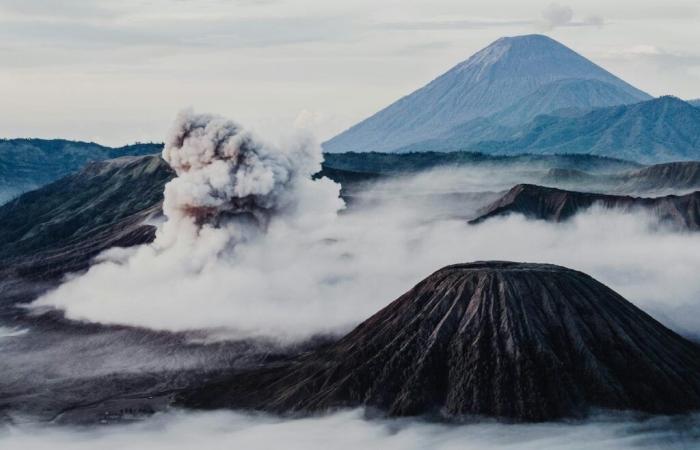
[(117, 71)]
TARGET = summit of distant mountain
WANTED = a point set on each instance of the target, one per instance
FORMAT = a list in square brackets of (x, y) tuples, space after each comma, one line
[(492, 80), (521, 341)]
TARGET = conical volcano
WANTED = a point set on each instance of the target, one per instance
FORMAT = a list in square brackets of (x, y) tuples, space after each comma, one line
[(496, 79), (518, 341)]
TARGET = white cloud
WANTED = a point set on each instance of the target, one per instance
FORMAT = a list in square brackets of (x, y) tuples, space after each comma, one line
[(556, 15), (350, 430)]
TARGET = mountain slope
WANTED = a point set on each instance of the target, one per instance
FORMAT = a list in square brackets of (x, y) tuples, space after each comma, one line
[(695, 102), (520, 341), (538, 202), (59, 228), (567, 98), (491, 80), (565, 94), (668, 176), (27, 164), (659, 130)]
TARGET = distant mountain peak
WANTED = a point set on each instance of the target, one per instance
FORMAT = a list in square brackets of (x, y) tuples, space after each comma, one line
[(493, 79)]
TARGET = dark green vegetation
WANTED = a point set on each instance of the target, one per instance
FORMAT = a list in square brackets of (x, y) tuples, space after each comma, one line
[(27, 164)]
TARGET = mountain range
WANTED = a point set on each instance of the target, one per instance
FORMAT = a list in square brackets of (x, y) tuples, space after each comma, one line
[(663, 129), (27, 164), (531, 94)]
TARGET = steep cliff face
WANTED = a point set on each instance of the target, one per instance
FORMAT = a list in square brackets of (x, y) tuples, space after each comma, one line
[(518, 341), (556, 205)]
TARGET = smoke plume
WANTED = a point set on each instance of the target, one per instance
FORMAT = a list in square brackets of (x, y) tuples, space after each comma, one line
[(226, 178)]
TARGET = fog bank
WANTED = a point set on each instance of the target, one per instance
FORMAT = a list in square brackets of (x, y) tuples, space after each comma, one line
[(350, 430)]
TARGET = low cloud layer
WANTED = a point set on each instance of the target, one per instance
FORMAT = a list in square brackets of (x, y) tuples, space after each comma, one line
[(225, 430)]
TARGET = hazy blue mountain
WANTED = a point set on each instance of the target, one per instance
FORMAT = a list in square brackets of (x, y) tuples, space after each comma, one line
[(491, 81), (695, 102), (570, 98), (564, 95), (27, 164), (659, 130)]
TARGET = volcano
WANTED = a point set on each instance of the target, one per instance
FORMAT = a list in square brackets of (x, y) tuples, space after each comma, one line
[(525, 342), (514, 78)]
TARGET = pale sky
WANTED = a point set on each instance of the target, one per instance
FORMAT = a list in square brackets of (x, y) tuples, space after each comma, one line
[(117, 71)]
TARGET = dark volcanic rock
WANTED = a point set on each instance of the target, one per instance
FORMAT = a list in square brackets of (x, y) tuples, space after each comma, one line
[(557, 205), (519, 341)]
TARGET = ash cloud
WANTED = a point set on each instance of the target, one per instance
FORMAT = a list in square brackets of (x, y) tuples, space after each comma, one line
[(227, 178)]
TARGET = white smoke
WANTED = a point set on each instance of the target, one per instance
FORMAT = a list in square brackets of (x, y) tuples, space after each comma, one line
[(231, 188), (227, 179)]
